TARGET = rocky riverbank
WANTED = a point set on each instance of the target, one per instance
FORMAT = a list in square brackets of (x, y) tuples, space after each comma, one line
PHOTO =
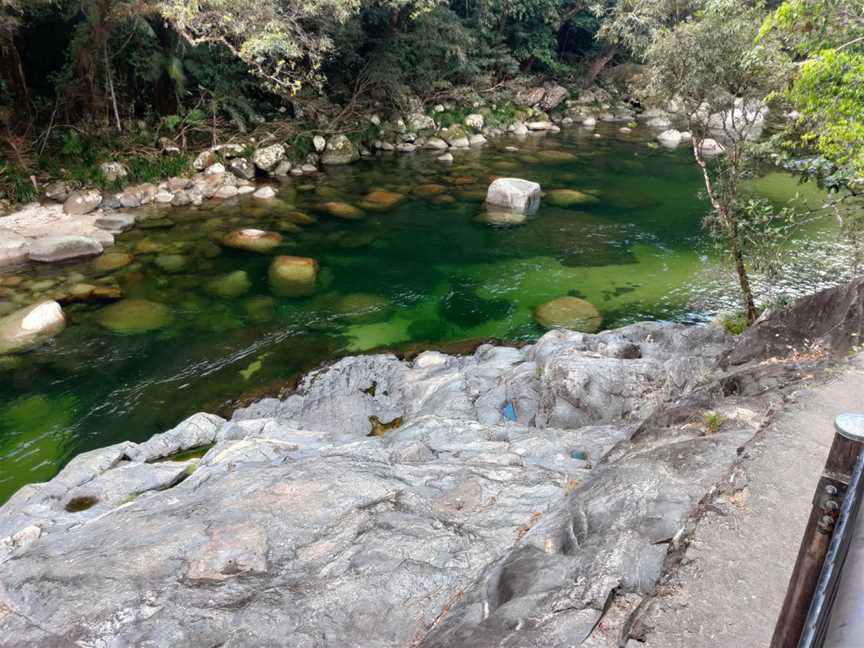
[(79, 222), (527, 497)]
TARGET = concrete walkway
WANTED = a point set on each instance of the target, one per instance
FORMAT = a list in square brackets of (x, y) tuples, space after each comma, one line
[(729, 589)]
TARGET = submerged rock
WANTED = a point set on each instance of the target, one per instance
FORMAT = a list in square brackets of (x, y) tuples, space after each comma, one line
[(569, 198), (569, 313), (381, 200), (502, 218), (230, 285), (28, 327), (112, 261), (341, 210), (135, 316), (171, 263), (252, 240), (514, 194), (363, 308), (292, 276), (556, 156)]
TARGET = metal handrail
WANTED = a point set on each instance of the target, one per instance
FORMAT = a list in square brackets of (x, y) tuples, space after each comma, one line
[(816, 625), (806, 609)]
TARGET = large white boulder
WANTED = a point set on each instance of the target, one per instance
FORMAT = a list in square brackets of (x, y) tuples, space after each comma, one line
[(711, 147), (25, 328), (670, 138), (514, 194)]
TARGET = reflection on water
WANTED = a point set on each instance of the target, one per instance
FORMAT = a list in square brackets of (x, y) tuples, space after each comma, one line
[(415, 261)]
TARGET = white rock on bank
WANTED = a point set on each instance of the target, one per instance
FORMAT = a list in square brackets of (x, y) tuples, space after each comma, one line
[(265, 193), (435, 144), (670, 138), (82, 202), (475, 121), (25, 328), (268, 157), (514, 194)]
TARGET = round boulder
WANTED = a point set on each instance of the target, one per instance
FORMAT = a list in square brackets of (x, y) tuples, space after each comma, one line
[(569, 313), (135, 316), (381, 200), (292, 276), (252, 240), (111, 261)]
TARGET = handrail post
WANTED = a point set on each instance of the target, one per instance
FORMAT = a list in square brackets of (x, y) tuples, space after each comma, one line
[(827, 501)]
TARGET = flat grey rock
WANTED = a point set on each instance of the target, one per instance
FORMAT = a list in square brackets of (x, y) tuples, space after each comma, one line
[(61, 248)]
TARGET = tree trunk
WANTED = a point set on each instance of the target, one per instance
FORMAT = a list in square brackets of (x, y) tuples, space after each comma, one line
[(598, 63), (743, 277), (12, 70)]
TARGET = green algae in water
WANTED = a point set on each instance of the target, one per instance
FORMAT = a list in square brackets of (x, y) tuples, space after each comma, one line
[(421, 272), (186, 455)]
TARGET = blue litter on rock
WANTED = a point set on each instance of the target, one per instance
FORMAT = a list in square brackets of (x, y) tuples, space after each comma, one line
[(508, 412), (579, 454)]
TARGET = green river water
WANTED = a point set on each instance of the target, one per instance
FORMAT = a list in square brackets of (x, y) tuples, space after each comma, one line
[(432, 270)]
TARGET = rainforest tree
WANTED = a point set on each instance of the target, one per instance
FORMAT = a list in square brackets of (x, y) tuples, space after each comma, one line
[(710, 64)]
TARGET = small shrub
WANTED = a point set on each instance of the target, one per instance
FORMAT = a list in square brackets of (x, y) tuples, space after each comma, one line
[(734, 323), (712, 421)]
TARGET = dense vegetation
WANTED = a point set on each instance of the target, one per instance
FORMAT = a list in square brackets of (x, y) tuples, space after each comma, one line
[(82, 77)]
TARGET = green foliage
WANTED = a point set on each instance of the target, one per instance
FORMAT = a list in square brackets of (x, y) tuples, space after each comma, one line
[(828, 89), (710, 63), (829, 93), (15, 185), (155, 169)]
